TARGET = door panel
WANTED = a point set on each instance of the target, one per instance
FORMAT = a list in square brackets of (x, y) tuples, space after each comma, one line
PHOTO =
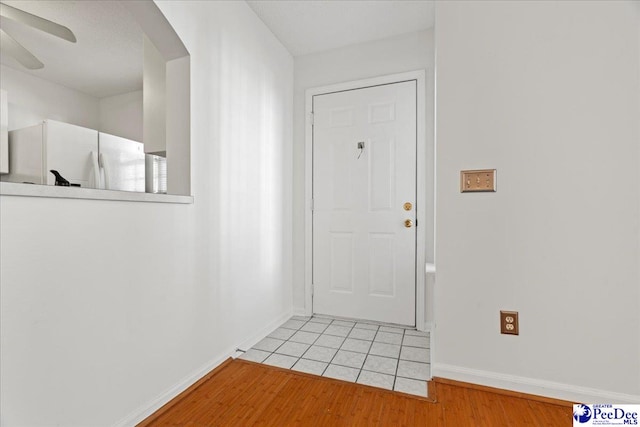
[(364, 170), (381, 174), (342, 262), (341, 167), (384, 112), (382, 264)]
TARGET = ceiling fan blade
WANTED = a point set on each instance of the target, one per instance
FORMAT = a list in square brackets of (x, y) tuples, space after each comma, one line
[(37, 22), (10, 46)]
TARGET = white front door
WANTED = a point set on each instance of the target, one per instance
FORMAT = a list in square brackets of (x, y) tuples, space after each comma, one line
[(364, 194)]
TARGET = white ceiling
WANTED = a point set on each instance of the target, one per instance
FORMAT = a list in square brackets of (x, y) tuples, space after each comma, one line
[(308, 26), (107, 57)]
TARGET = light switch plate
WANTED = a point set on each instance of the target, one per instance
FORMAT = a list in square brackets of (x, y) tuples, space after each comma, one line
[(476, 181)]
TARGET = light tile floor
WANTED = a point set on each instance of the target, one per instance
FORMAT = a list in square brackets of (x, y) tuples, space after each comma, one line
[(377, 355)]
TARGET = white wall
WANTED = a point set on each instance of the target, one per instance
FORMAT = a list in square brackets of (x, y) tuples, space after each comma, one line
[(389, 56), (121, 115), (178, 111), (154, 100), (547, 93), (32, 100), (107, 306)]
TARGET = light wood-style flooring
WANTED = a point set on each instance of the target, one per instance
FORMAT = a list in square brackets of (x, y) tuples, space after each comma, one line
[(241, 393)]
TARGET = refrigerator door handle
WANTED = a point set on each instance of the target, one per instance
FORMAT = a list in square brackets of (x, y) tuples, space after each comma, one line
[(96, 170), (104, 166)]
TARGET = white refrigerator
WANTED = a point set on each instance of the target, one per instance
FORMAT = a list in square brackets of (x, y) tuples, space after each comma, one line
[(84, 157), (121, 162)]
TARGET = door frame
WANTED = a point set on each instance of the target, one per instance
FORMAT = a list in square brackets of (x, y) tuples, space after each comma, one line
[(421, 183)]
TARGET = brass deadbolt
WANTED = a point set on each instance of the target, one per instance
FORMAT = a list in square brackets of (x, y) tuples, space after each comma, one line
[(407, 206)]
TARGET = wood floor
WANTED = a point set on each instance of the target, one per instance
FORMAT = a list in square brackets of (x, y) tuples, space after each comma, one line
[(241, 393)]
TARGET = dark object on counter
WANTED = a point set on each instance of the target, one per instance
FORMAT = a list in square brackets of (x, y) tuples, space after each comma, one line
[(61, 181)]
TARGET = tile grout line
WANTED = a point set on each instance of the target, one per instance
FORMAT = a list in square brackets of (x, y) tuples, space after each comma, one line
[(336, 353), (367, 355), (285, 341), (289, 340), (314, 341), (330, 348), (397, 359), (328, 363), (368, 351), (395, 377)]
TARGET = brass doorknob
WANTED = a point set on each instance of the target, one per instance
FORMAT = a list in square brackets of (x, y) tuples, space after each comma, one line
[(408, 223)]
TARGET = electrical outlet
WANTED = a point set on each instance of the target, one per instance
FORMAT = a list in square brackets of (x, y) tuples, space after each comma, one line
[(509, 322)]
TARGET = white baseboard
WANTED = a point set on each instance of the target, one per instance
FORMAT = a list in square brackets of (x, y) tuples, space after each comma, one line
[(531, 385), (264, 331), (146, 410), (425, 327), (300, 311)]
